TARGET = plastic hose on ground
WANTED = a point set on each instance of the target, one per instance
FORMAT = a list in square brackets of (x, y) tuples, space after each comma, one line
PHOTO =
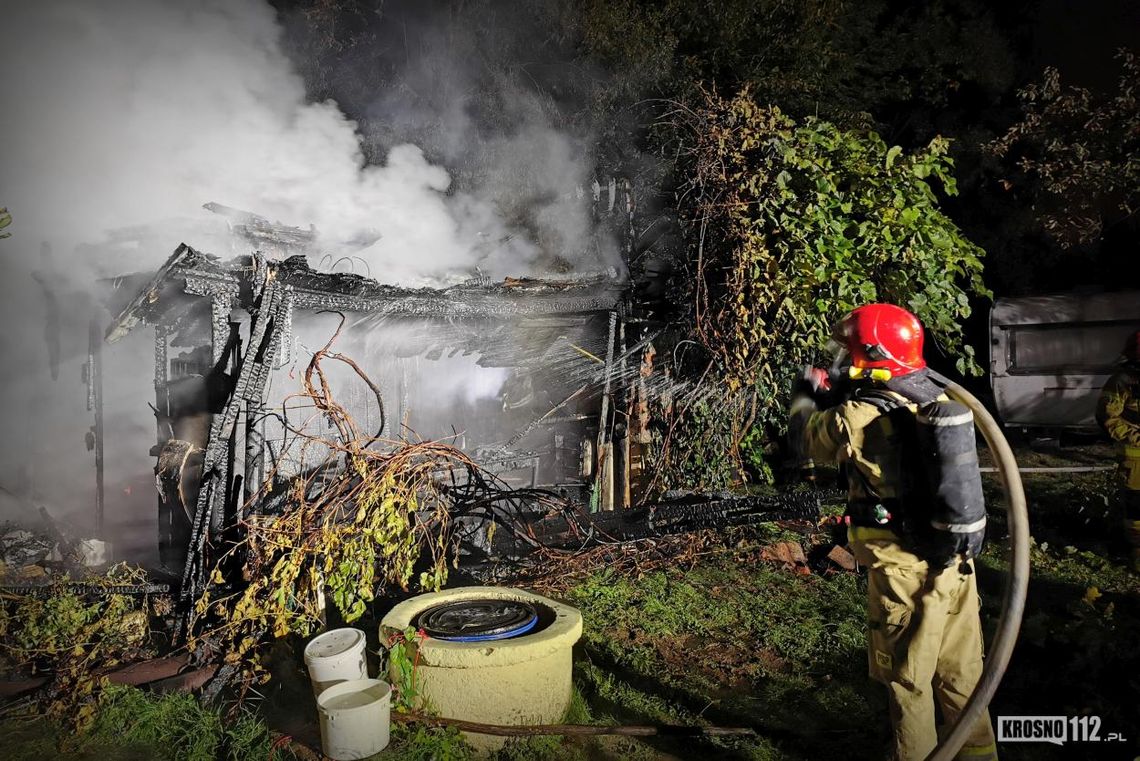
[(1013, 603)]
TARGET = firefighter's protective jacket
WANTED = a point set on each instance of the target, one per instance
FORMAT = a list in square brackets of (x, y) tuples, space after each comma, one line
[(1118, 412), (857, 435)]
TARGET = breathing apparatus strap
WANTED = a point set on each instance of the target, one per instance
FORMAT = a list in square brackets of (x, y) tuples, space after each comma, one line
[(920, 387), (875, 511), (891, 398)]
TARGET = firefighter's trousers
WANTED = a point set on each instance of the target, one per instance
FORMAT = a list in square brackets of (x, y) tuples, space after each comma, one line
[(1129, 497), (924, 644), (1130, 501)]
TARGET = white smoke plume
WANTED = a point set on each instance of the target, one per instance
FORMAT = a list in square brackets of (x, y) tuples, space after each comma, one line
[(131, 112), (136, 112)]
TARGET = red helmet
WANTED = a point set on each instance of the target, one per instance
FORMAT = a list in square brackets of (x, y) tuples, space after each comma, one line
[(883, 337)]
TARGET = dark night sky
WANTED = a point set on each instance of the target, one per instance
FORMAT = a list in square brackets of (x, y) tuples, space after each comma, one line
[(1080, 37)]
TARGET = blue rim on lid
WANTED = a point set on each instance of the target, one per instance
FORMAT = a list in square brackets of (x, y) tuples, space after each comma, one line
[(478, 620)]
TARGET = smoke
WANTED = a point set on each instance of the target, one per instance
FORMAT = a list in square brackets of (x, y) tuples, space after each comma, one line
[(131, 112), (486, 88), (135, 113), (446, 398)]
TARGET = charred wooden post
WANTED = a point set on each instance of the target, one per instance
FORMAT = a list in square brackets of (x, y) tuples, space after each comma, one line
[(251, 376), (167, 547), (621, 426), (94, 373), (625, 395), (604, 451)]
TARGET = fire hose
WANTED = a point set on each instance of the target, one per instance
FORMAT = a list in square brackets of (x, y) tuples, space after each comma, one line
[(1013, 601)]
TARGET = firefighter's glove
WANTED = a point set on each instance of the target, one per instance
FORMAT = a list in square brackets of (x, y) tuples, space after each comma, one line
[(812, 382)]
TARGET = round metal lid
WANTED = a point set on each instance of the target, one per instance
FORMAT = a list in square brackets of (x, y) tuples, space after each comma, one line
[(478, 620)]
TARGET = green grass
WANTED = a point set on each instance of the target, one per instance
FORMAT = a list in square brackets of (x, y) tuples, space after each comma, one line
[(806, 623), (410, 742), (743, 644), (179, 724), (1077, 649), (132, 724), (1069, 566)]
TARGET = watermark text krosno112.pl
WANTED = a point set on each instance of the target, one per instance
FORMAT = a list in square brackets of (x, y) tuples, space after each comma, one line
[(1054, 729)]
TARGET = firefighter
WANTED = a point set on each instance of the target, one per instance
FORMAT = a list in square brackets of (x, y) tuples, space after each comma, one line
[(924, 638), (1118, 412)]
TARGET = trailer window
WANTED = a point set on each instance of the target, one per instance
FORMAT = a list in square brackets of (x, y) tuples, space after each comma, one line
[(1088, 347)]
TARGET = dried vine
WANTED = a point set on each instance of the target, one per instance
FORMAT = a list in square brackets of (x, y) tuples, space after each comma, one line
[(360, 523)]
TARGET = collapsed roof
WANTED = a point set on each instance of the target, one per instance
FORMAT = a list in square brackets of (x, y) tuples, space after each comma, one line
[(189, 271)]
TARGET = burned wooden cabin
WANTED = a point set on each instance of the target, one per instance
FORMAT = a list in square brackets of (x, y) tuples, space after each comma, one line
[(523, 375)]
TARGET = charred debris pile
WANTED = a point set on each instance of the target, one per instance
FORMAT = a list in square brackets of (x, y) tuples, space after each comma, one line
[(323, 438), (237, 431)]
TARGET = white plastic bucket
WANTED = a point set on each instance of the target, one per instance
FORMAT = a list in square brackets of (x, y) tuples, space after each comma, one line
[(355, 718), (334, 657)]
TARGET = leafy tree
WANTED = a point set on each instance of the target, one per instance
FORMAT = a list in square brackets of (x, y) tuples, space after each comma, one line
[(796, 223), (1079, 154), (801, 222), (5, 220)]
